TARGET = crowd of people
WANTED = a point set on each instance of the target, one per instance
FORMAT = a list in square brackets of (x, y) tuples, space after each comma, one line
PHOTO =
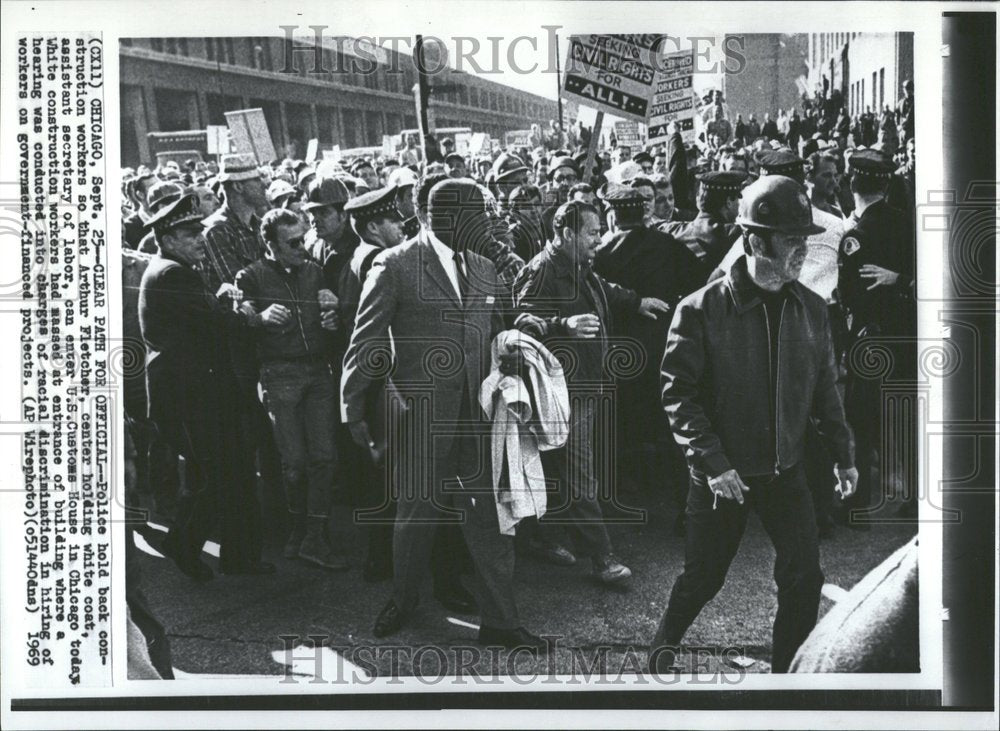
[(297, 317)]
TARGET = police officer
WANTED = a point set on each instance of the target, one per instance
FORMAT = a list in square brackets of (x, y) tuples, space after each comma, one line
[(713, 231), (876, 288), (653, 264), (749, 360)]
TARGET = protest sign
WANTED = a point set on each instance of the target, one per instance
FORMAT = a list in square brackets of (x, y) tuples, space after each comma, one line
[(249, 133), (613, 73), (673, 98)]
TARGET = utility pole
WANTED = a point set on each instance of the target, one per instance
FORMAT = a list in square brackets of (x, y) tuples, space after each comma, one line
[(421, 94), (558, 83)]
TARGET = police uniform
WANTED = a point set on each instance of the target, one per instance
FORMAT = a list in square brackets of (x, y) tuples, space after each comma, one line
[(882, 236), (707, 236), (653, 264), (195, 402)]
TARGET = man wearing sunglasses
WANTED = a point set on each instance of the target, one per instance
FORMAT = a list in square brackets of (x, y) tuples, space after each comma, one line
[(295, 379)]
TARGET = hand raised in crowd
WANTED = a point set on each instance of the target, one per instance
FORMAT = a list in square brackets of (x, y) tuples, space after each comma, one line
[(650, 306), (276, 315), (878, 275), (848, 479), (583, 326), (230, 291), (728, 485)]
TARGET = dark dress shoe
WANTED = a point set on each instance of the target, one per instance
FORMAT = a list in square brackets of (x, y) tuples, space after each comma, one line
[(249, 568), (389, 620), (511, 638), (456, 598)]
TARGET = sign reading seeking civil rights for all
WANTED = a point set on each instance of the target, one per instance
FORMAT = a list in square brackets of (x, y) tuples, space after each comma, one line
[(673, 98), (613, 73)]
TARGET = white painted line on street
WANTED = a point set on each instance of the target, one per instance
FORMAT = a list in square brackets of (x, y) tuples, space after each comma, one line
[(834, 592), (462, 623)]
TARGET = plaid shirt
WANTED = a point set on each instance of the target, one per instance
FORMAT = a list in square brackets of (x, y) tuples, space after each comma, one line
[(232, 246)]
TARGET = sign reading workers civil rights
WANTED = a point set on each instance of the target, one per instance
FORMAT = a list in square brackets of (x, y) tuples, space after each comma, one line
[(673, 98), (613, 73)]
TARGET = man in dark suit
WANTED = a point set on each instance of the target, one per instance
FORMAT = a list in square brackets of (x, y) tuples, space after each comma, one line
[(437, 305), (194, 396)]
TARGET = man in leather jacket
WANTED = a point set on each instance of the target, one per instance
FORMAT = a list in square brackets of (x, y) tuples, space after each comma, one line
[(749, 360)]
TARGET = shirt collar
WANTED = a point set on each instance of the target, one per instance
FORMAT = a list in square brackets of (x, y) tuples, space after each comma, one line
[(444, 252)]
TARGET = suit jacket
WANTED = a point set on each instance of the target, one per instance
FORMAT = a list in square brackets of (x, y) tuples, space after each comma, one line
[(412, 327), (185, 328)]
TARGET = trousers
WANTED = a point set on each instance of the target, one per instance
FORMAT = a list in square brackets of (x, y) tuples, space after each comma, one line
[(575, 506), (784, 505), (459, 492), (300, 400)]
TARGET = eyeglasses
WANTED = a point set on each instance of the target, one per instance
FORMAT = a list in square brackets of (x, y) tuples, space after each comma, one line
[(567, 178)]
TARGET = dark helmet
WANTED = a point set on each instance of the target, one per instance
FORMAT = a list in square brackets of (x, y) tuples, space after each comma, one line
[(777, 203)]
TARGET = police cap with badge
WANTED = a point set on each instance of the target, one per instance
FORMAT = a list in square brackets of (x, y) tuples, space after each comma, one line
[(873, 165), (377, 204), (181, 213), (724, 181), (622, 198), (780, 162)]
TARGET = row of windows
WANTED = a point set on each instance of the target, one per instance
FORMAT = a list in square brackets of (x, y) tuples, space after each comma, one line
[(824, 44), (267, 54), (859, 102)]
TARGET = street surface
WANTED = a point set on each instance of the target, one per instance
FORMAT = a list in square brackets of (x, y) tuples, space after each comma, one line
[(232, 625)]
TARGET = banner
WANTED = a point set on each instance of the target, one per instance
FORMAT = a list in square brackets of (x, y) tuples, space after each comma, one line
[(613, 73), (312, 150), (628, 134), (673, 98), (217, 139), (518, 138), (249, 133)]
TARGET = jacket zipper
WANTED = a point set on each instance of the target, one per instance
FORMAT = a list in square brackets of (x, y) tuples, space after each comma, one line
[(777, 377), (298, 314)]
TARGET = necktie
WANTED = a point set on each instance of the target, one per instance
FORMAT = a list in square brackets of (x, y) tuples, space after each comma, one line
[(463, 280)]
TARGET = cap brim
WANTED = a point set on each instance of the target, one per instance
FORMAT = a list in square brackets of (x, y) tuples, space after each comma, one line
[(311, 206)]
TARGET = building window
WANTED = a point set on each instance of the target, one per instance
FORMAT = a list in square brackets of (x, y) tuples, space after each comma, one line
[(182, 46), (172, 46), (156, 44), (210, 49), (230, 51), (126, 42)]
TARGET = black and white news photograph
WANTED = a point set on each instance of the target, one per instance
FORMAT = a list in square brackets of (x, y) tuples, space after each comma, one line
[(499, 363)]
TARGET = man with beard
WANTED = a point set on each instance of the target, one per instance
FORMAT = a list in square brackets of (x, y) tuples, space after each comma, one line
[(429, 293), (749, 360)]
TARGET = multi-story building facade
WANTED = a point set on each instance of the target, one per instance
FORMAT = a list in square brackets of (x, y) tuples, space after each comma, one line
[(772, 76), (350, 93), (868, 69)]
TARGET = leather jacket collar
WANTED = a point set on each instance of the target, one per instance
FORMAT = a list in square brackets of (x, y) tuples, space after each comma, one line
[(745, 292)]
